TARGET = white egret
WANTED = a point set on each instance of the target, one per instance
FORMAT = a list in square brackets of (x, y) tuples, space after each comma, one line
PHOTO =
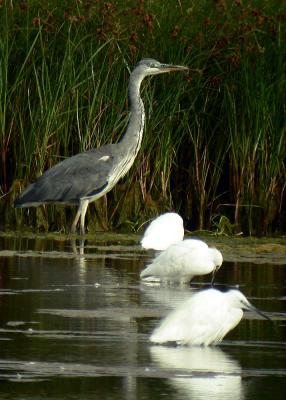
[(182, 261), (163, 231), (204, 319)]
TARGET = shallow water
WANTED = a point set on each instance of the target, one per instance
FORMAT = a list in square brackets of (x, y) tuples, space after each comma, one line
[(75, 323)]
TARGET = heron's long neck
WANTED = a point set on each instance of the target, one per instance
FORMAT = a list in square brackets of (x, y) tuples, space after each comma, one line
[(132, 139)]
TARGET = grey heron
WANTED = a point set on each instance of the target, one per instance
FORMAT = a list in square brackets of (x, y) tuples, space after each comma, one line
[(85, 177)]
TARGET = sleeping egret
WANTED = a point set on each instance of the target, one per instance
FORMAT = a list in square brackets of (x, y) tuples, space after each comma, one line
[(204, 319), (163, 231), (182, 261)]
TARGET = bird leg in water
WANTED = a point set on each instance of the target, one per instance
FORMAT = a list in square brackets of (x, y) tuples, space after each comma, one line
[(83, 208), (75, 221), (80, 213)]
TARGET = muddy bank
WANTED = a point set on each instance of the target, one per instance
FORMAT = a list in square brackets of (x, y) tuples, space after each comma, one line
[(53, 245)]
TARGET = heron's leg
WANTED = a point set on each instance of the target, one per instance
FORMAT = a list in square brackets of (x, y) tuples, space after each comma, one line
[(75, 221), (83, 208)]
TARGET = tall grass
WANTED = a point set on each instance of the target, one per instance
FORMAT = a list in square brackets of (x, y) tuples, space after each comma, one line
[(215, 138)]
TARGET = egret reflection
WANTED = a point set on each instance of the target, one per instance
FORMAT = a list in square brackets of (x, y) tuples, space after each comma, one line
[(166, 297), (213, 374)]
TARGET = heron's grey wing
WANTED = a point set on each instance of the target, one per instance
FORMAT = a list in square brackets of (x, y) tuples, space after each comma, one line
[(82, 175)]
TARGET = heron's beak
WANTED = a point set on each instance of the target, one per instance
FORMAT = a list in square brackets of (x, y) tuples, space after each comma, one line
[(170, 67), (213, 273)]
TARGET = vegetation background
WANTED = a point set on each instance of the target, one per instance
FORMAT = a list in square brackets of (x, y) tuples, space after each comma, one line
[(214, 147)]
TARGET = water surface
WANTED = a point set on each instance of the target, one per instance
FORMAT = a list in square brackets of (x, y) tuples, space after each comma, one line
[(75, 323)]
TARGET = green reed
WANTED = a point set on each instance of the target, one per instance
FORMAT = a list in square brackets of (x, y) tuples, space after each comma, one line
[(214, 144)]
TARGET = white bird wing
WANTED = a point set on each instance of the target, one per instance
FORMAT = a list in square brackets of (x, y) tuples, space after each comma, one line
[(163, 231), (194, 257), (193, 244), (171, 328), (201, 320), (167, 264), (184, 259)]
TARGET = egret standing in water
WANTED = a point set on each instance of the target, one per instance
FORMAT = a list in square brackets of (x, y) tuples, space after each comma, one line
[(182, 261), (204, 319), (163, 231), (87, 176)]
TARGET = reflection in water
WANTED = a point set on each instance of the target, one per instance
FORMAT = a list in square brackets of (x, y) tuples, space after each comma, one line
[(78, 246), (77, 324), (214, 373), (167, 296)]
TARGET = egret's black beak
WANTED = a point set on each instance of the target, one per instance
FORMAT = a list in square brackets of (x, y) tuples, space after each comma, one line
[(250, 307), (213, 273), (257, 311)]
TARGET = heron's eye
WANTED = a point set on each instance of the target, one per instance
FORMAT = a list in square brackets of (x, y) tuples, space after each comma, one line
[(152, 65)]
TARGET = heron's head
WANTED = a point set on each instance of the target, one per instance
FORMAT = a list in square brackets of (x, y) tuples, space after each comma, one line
[(148, 66), (238, 300)]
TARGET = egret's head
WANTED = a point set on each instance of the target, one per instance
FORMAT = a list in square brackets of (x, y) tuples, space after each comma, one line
[(217, 257), (149, 66), (238, 300)]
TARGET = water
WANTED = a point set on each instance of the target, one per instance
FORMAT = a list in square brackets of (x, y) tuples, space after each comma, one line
[(75, 323)]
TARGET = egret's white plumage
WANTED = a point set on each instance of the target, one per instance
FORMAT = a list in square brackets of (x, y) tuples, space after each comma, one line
[(163, 231), (182, 261), (204, 319)]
